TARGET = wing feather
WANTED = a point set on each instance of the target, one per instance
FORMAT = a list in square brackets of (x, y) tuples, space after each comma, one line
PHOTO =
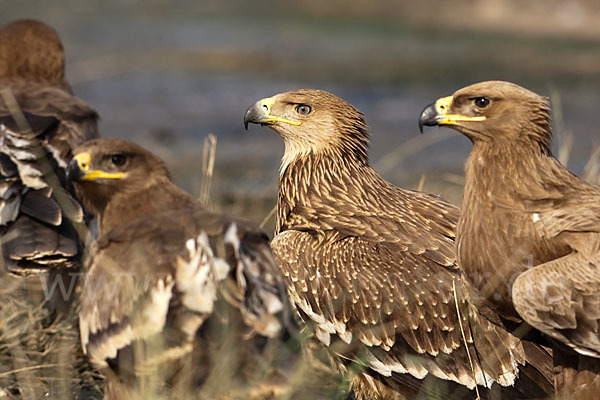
[(410, 326), (32, 176), (169, 270), (565, 307)]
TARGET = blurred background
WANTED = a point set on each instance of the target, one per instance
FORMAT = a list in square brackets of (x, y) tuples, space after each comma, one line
[(166, 74)]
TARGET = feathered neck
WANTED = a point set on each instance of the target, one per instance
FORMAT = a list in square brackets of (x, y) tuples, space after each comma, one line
[(520, 158), (538, 127), (498, 173), (343, 138), (328, 174), (128, 206)]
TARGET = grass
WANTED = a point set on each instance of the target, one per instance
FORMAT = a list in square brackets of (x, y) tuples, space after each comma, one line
[(40, 354)]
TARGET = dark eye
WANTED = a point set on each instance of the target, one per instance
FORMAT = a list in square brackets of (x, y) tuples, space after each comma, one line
[(118, 159), (303, 109), (481, 102)]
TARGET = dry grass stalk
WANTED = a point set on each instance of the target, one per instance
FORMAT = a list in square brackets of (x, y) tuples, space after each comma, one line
[(421, 182), (268, 217), (591, 172), (462, 332), (409, 148), (564, 137), (208, 167)]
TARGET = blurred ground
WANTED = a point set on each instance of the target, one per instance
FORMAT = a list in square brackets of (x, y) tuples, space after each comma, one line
[(165, 74)]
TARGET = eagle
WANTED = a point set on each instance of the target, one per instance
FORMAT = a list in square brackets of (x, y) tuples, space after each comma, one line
[(176, 297), (372, 269), (41, 223), (529, 236), (40, 123)]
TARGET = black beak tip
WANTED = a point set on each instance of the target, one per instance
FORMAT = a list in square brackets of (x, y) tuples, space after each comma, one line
[(428, 117), (249, 116), (73, 172)]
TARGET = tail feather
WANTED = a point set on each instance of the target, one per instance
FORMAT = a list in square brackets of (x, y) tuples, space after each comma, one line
[(522, 367)]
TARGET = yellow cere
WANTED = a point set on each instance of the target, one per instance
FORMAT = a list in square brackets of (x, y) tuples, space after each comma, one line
[(266, 106), (443, 105), (84, 160)]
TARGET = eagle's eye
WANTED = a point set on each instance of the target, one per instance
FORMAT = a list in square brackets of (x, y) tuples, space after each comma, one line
[(118, 159), (481, 102), (303, 109)]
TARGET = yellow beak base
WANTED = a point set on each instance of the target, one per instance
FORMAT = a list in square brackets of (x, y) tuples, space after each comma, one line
[(266, 105), (83, 162), (443, 105)]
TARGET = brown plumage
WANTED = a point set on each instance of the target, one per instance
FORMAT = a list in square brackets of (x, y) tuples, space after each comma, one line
[(529, 237), (38, 214), (40, 122), (371, 266), (172, 290), (31, 51)]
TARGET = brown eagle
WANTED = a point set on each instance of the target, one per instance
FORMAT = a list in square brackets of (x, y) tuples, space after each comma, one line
[(174, 293), (40, 122), (371, 267), (529, 236)]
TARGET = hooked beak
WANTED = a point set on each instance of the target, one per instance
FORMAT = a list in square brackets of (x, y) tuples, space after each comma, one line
[(438, 114), (428, 117), (260, 113), (79, 170)]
